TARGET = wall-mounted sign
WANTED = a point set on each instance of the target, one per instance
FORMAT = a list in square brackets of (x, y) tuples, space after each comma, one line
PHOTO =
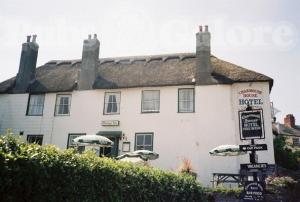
[(251, 124), (126, 147), (252, 97), (110, 123), (255, 147), (254, 191)]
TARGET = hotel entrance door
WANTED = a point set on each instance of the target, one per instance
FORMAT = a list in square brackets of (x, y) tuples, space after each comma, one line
[(114, 136)]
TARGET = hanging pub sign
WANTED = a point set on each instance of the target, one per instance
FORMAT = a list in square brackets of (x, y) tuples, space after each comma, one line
[(251, 124)]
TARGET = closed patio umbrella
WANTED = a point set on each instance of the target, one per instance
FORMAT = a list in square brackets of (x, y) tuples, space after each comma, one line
[(226, 150), (130, 155), (133, 158), (146, 154), (138, 156), (93, 140)]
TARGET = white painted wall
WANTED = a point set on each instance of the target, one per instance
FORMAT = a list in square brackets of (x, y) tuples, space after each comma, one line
[(176, 135)]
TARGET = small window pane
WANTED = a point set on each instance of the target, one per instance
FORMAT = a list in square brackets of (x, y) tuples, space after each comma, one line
[(148, 139), (65, 109), (65, 100), (139, 147), (61, 100), (140, 140), (112, 104), (60, 109), (148, 148)]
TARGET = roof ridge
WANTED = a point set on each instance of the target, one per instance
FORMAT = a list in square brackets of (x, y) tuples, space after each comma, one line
[(163, 57)]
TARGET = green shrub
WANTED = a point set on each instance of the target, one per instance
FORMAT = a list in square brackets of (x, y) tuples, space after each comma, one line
[(284, 156), (30, 172), (225, 190), (284, 181)]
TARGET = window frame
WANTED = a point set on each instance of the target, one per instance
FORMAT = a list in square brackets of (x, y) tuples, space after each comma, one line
[(55, 107), (70, 134), (178, 102), (296, 141), (142, 101), (144, 133), (32, 135), (28, 104), (118, 104)]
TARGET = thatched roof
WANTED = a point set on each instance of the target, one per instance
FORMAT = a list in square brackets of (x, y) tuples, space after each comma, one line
[(140, 71)]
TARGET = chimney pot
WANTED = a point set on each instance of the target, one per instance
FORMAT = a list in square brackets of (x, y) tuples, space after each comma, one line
[(90, 37), (200, 28), (34, 38), (28, 39), (206, 28), (289, 121), (95, 36)]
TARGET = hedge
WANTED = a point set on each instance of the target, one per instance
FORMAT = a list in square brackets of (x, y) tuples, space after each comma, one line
[(30, 172)]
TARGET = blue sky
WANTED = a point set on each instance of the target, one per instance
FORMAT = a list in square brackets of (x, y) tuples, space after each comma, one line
[(260, 35)]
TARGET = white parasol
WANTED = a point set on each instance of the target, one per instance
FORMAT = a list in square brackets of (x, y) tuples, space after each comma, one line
[(226, 150)]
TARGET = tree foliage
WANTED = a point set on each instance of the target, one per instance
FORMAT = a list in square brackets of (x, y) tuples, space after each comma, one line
[(284, 156)]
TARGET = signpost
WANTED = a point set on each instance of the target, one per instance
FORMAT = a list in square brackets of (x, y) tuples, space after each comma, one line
[(252, 127)]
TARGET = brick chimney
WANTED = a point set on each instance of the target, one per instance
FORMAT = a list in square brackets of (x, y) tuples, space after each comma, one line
[(289, 121), (90, 57), (26, 73), (204, 69)]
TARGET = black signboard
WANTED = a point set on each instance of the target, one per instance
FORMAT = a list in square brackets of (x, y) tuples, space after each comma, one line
[(254, 191), (250, 166), (251, 124), (255, 147)]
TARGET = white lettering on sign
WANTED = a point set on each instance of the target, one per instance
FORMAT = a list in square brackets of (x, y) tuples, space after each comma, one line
[(252, 97), (250, 166)]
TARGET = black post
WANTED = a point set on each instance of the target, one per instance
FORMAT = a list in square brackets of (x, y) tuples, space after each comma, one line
[(253, 160)]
